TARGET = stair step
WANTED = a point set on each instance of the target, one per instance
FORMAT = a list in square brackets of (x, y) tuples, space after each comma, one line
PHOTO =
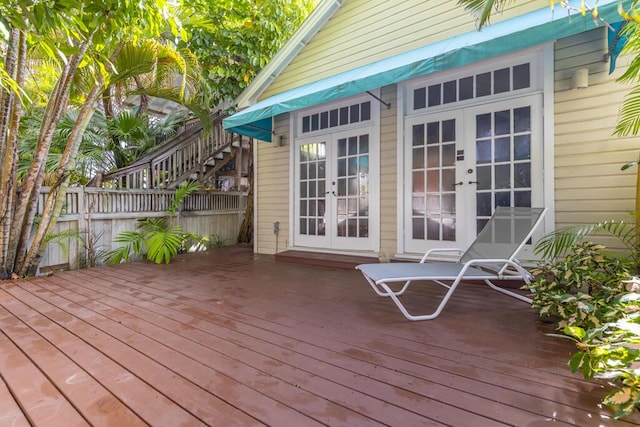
[(347, 262)]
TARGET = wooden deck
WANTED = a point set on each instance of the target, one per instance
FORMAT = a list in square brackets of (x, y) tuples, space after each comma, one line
[(231, 338)]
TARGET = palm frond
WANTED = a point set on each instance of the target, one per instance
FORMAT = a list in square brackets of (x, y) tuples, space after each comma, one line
[(629, 120), (561, 240)]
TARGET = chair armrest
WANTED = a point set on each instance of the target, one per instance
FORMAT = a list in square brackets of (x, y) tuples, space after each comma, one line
[(436, 254)]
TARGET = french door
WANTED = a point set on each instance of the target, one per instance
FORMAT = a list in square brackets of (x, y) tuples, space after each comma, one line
[(336, 191), (461, 164)]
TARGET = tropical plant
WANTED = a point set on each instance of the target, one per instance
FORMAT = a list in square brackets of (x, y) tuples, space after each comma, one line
[(246, 35), (559, 241), (159, 239), (578, 288), (79, 42)]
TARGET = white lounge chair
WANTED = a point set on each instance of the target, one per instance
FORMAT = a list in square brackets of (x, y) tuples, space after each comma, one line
[(490, 257)]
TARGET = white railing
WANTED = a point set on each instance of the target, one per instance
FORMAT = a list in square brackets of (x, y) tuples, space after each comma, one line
[(107, 212)]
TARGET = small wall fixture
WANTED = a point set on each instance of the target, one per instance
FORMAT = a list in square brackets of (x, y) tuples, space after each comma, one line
[(281, 140), (581, 78)]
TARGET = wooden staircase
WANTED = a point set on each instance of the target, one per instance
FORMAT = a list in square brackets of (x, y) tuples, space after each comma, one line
[(214, 160)]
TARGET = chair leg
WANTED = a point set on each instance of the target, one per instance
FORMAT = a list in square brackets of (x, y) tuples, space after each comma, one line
[(508, 292), (409, 316)]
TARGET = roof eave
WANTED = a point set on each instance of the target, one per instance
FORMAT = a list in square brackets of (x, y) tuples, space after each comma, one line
[(316, 20)]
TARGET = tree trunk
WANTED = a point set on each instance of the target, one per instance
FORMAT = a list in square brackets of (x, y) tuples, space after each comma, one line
[(246, 229), (28, 201)]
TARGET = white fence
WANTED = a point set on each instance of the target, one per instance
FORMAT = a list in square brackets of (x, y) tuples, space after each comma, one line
[(102, 214)]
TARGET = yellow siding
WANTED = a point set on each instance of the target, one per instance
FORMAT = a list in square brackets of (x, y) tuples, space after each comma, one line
[(272, 187), (364, 31), (388, 173), (589, 185)]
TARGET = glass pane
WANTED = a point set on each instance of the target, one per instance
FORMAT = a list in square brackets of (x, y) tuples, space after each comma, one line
[(321, 227), (353, 145), (363, 209), (354, 113), (342, 206), (312, 207), (433, 181), (434, 95), (333, 118), (433, 133), (501, 81), (353, 207), (322, 173), (364, 164), (312, 227), (342, 187), (364, 144), (418, 182), (502, 176), (522, 199), (480, 224), (321, 207), (433, 204), (322, 189), (449, 93), (353, 166), (522, 147), (522, 119), (306, 124), (521, 77), (312, 171), (312, 189), (503, 122), (303, 171), (365, 111), (483, 176), (448, 179), (342, 227), (304, 153), (315, 122), (433, 229), (483, 151), (417, 206), (353, 186), (303, 226), (433, 157), (303, 208), (363, 230), (466, 88), (418, 158), (419, 98), (322, 151), (448, 229), (483, 84), (342, 147), (483, 204), (324, 120), (418, 228), (522, 175), (418, 135), (448, 155), (344, 115), (342, 167), (502, 150), (303, 189), (503, 198), (449, 130), (448, 203), (483, 125), (353, 227)]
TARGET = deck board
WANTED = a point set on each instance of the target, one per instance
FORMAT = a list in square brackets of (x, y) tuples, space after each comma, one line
[(232, 338)]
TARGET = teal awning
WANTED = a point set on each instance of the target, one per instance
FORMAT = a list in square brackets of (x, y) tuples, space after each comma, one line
[(525, 31)]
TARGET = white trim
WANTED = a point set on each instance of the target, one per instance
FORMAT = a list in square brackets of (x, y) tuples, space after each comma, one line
[(400, 168), (309, 28), (548, 117), (255, 194)]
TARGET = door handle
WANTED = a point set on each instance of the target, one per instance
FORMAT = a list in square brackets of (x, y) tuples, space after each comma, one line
[(458, 183), (473, 182)]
